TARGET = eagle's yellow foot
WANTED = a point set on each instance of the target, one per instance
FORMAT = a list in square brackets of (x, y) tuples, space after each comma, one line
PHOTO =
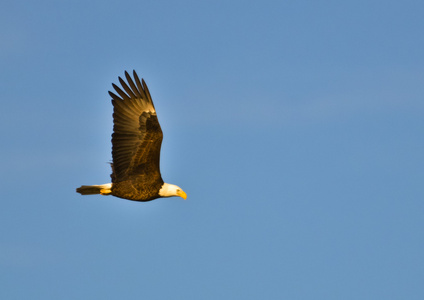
[(105, 191)]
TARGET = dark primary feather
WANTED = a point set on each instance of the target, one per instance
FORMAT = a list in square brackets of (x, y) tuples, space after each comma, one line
[(137, 136)]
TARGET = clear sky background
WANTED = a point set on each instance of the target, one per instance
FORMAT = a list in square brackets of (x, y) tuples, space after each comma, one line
[(295, 127)]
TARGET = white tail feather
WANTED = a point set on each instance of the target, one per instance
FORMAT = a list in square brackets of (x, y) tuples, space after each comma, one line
[(103, 189)]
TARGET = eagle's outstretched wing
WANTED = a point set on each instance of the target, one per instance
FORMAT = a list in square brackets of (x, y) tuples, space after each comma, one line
[(137, 136)]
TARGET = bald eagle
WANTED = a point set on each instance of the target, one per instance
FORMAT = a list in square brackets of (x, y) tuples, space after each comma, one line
[(136, 142)]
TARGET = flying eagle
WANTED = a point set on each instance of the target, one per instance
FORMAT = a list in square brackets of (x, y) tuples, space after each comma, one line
[(136, 142)]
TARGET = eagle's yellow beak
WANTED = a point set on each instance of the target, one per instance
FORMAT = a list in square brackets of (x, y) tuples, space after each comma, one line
[(182, 194)]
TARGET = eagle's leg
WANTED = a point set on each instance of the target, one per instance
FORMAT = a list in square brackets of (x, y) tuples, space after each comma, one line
[(105, 191)]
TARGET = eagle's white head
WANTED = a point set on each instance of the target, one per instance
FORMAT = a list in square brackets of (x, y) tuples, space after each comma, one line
[(170, 190)]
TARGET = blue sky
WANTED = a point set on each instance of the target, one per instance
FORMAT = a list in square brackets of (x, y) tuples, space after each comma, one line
[(295, 127)]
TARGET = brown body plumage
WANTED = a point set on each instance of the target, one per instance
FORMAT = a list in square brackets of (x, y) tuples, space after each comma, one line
[(136, 145)]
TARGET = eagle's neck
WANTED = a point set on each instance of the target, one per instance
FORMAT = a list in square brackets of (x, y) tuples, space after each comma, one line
[(167, 190)]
